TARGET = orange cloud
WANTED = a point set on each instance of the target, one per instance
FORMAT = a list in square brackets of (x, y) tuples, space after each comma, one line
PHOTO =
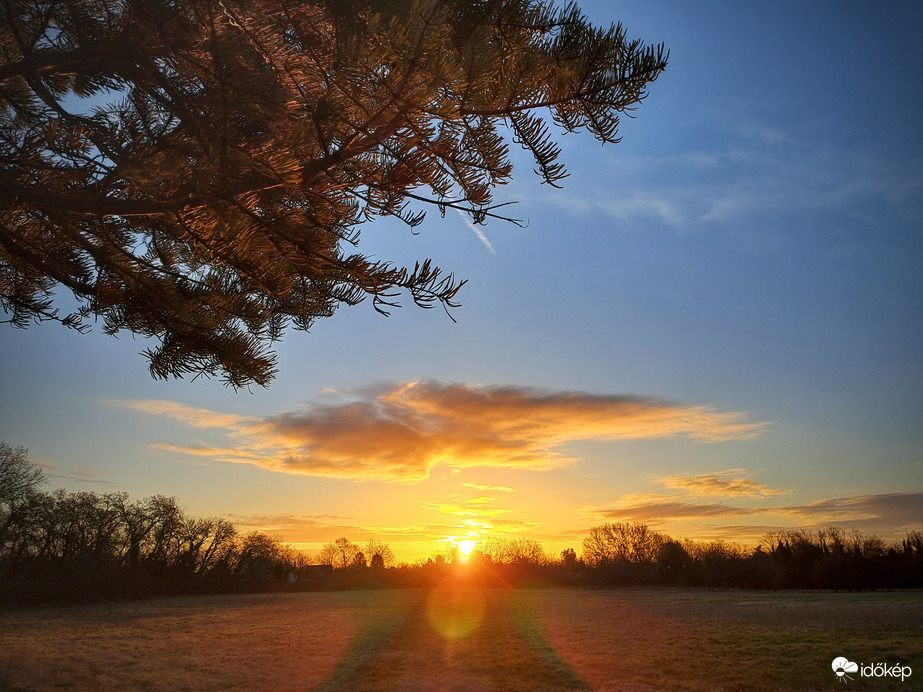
[(466, 511), (730, 483), (656, 511), (495, 488), (400, 432), (193, 417)]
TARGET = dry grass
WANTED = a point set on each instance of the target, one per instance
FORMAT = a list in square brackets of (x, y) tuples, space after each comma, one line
[(712, 640), (465, 638)]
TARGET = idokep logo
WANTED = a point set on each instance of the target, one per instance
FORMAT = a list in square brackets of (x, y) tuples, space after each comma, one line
[(843, 666)]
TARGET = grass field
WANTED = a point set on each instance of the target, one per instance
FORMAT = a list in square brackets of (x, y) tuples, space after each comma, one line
[(458, 638)]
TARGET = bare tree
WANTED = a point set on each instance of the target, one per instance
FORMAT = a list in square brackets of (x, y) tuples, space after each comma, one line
[(380, 554), (20, 483), (340, 554), (626, 542)]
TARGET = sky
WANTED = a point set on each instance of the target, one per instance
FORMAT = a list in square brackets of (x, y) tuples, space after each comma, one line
[(714, 328)]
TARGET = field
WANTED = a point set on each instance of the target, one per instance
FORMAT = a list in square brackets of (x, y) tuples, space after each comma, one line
[(463, 638)]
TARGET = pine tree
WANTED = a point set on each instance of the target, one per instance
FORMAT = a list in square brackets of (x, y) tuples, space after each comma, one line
[(213, 194)]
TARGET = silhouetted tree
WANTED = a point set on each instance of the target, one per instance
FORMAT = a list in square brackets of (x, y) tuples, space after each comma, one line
[(380, 554), (673, 561), (200, 542), (77, 545), (339, 554), (20, 483), (715, 563), (524, 551), (195, 170), (630, 542)]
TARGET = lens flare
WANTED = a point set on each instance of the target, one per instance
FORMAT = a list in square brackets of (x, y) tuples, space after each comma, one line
[(454, 612)]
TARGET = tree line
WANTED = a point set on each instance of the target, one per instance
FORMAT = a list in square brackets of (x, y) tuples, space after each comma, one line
[(632, 554), (65, 546), (827, 558), (71, 546)]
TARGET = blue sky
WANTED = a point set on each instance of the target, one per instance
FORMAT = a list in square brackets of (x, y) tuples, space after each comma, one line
[(745, 264)]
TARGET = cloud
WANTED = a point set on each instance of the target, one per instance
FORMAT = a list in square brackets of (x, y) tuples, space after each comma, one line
[(768, 173), (479, 500), (400, 432), (765, 134), (887, 512), (729, 483), (666, 508), (466, 510), (495, 488), (297, 527), (71, 474), (193, 417), (326, 528), (902, 508)]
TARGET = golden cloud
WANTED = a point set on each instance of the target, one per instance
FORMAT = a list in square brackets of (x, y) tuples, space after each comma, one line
[(400, 432), (495, 488), (466, 510), (193, 417), (730, 483), (656, 511)]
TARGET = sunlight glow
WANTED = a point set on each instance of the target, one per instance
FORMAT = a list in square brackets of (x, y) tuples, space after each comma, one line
[(455, 612), (465, 547)]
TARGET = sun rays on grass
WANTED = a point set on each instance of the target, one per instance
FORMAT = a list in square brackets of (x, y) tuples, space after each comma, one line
[(462, 637)]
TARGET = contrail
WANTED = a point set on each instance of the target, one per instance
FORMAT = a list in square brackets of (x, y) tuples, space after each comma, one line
[(477, 231)]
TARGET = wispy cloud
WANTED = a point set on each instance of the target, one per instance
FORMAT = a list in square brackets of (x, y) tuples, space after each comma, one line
[(656, 511), (193, 417), (904, 508), (298, 527), (325, 528), (400, 432), (479, 500), (888, 512), (466, 510), (765, 134), (493, 488), (768, 172), (64, 473), (728, 483)]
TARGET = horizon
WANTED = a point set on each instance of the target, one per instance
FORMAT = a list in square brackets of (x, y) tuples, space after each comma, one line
[(712, 329)]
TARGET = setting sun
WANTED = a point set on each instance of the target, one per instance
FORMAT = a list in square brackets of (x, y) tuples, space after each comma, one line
[(465, 547)]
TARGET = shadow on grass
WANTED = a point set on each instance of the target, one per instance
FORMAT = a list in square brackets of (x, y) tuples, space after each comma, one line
[(366, 648), (532, 634), (406, 647)]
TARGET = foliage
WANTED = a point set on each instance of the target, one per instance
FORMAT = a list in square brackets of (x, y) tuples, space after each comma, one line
[(196, 171)]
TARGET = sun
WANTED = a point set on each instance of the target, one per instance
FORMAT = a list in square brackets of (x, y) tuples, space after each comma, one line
[(465, 547)]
